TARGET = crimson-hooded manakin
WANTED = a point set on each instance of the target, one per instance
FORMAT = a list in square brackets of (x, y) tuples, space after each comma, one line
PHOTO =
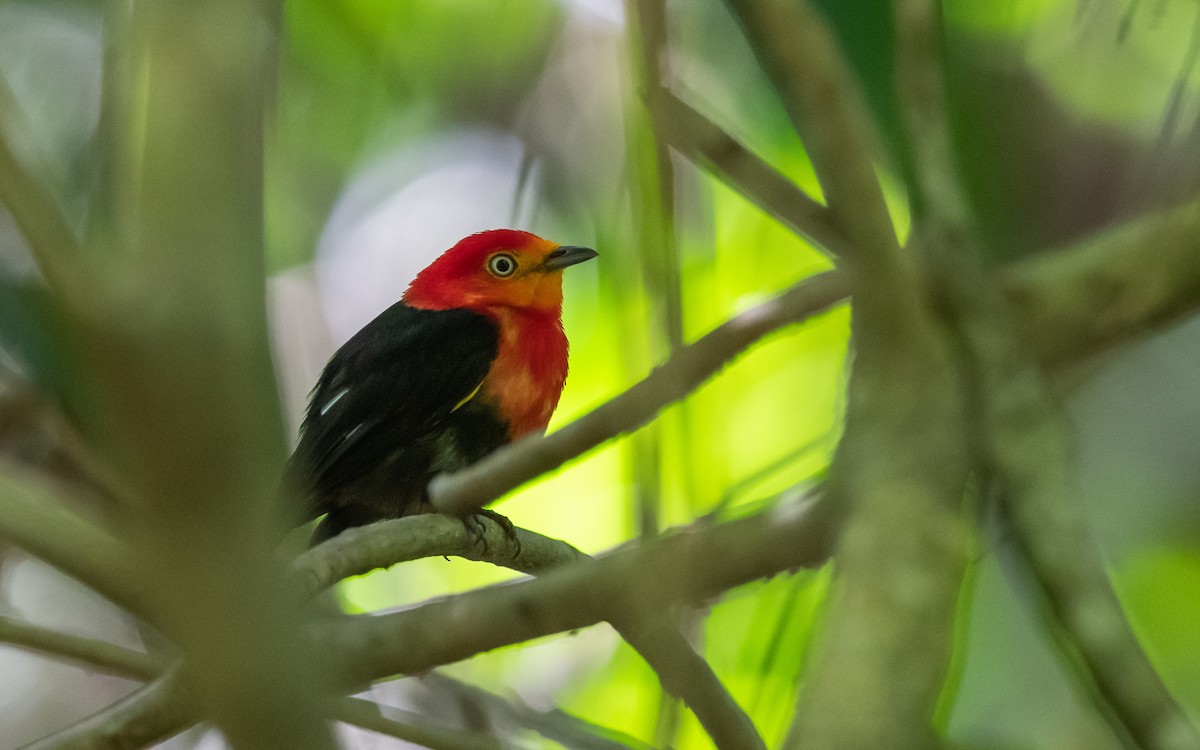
[(472, 357)]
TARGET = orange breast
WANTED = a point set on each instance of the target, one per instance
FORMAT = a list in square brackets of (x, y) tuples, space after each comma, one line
[(527, 378)]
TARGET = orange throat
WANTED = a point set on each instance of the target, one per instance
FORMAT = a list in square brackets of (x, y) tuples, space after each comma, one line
[(527, 377)]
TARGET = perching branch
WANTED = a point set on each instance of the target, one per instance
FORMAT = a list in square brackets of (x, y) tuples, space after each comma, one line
[(688, 566), (683, 672), (513, 465), (380, 545)]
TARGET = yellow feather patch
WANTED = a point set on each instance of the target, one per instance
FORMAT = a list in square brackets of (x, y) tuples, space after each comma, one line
[(470, 396)]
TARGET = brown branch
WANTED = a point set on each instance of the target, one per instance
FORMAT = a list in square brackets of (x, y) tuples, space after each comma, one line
[(688, 566), (901, 464), (1111, 288), (801, 59), (380, 545), (512, 466), (704, 142), (683, 672)]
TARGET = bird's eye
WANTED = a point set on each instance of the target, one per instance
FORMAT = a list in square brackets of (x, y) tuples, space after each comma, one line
[(502, 265)]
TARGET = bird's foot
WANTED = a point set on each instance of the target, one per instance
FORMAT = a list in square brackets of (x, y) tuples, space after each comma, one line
[(477, 529)]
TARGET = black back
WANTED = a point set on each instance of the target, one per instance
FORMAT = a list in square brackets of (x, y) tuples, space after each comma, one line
[(392, 408)]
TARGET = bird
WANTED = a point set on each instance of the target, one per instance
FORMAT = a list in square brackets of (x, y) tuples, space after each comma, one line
[(473, 356)]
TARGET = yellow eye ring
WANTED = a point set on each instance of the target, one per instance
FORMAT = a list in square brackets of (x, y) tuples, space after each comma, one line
[(501, 265)]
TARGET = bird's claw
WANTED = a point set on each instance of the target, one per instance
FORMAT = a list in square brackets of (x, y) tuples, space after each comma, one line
[(478, 529)]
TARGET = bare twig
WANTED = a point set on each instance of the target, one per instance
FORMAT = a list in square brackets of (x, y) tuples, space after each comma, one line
[(140, 719), (554, 724), (512, 466), (410, 727), (703, 141), (99, 655), (801, 58)]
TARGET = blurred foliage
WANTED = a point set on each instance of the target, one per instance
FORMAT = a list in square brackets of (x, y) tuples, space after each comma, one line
[(1064, 125)]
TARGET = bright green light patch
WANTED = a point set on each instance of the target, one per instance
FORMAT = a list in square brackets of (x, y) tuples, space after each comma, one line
[(1009, 17), (1160, 590)]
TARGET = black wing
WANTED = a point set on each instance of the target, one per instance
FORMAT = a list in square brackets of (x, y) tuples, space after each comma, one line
[(391, 384)]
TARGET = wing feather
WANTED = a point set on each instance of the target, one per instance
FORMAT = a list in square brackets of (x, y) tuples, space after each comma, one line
[(393, 383)]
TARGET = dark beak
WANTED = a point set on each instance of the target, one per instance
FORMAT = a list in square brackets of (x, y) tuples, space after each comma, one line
[(567, 255)]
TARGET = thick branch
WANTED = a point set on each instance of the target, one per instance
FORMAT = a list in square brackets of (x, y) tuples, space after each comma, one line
[(683, 672), (1022, 436), (1111, 288), (901, 461), (512, 466)]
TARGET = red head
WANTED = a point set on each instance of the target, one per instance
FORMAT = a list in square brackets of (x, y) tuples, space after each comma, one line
[(515, 279), (499, 268)]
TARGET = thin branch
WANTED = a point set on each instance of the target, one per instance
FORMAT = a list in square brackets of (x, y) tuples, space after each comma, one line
[(653, 186), (686, 675), (142, 718), (31, 202), (801, 59), (1071, 302), (34, 517), (704, 142), (410, 727), (512, 466), (98, 655), (554, 724)]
